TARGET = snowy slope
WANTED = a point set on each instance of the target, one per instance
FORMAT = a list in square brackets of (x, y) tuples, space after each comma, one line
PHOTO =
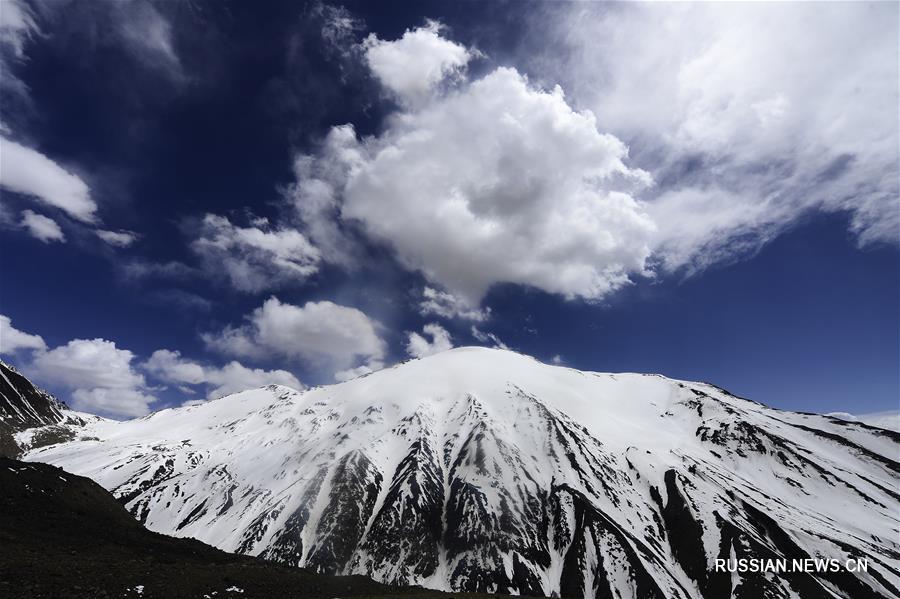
[(480, 469), (889, 419), (30, 417)]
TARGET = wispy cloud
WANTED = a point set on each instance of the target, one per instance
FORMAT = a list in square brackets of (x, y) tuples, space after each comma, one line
[(256, 257), (17, 25), (31, 173), (760, 113), (41, 227), (487, 338)]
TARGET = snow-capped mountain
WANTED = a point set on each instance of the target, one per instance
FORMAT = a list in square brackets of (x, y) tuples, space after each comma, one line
[(30, 417), (486, 470)]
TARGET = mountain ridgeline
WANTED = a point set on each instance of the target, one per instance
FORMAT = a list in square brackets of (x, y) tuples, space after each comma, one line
[(485, 470), (30, 417)]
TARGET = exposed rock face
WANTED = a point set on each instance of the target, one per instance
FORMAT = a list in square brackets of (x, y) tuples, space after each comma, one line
[(485, 470), (30, 417)]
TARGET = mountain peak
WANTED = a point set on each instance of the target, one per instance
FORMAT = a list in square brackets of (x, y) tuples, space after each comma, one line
[(485, 470)]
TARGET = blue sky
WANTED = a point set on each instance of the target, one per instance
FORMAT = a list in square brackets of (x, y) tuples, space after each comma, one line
[(201, 197)]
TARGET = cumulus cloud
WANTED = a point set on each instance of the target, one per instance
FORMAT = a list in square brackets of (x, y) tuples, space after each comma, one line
[(256, 257), (760, 114), (338, 336), (420, 346), (12, 339), (234, 377), (447, 305), (171, 367), (120, 239), (100, 375), (504, 183), (88, 363), (112, 402), (103, 378), (497, 182), (29, 172), (41, 227), (413, 65)]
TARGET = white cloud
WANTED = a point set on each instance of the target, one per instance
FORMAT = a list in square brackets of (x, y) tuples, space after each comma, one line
[(257, 257), (129, 403), (100, 374), (487, 338), (88, 363), (234, 377), (444, 186), (29, 172), (103, 379), (41, 227), (413, 65), (556, 359), (117, 238), (498, 181), (170, 367), (761, 113), (339, 336), (12, 339), (316, 194), (442, 303), (418, 346), (559, 227)]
